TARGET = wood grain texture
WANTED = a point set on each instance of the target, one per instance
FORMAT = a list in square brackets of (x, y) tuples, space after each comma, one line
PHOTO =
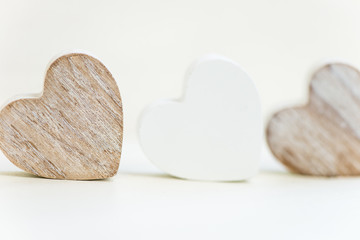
[(323, 137), (74, 130)]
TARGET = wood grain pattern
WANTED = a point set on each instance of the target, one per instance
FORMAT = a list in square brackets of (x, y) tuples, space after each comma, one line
[(323, 137), (74, 130)]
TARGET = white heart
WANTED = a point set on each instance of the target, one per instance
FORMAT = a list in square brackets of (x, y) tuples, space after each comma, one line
[(214, 133)]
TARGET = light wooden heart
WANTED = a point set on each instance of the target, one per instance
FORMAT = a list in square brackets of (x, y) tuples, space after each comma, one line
[(74, 130), (323, 137)]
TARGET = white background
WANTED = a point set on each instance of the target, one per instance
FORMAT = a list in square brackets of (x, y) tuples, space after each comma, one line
[(148, 45)]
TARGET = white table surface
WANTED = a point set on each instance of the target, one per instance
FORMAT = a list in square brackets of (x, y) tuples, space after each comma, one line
[(143, 203)]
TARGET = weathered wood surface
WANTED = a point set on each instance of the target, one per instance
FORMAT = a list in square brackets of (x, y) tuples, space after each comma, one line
[(74, 130), (323, 137)]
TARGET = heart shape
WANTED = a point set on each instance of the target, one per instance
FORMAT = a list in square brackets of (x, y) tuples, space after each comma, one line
[(74, 130), (323, 137), (214, 133)]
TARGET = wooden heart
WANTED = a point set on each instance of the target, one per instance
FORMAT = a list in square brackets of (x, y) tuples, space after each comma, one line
[(323, 137), (74, 130)]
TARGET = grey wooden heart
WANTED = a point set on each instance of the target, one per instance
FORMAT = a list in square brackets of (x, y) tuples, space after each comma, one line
[(323, 137)]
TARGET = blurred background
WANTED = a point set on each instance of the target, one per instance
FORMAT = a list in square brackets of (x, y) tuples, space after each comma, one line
[(148, 45)]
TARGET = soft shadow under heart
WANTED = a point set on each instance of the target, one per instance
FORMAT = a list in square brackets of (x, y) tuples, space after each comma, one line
[(29, 175), (18, 174), (170, 177), (153, 175)]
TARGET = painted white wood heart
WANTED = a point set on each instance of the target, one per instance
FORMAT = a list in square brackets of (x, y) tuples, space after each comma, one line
[(214, 133)]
